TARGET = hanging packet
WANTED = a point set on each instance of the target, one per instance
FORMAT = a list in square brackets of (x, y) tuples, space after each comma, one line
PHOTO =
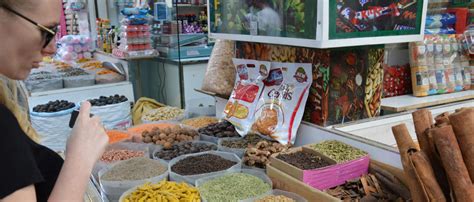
[(281, 106), (240, 108)]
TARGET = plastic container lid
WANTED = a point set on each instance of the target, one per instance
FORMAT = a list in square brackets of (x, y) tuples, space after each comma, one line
[(191, 179)]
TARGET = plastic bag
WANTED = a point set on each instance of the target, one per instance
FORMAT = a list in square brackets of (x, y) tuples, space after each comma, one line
[(281, 107), (114, 116), (114, 189), (191, 179), (120, 146), (44, 82), (53, 128), (220, 73), (243, 101)]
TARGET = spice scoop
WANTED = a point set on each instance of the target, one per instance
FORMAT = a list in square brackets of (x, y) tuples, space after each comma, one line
[(116, 67)]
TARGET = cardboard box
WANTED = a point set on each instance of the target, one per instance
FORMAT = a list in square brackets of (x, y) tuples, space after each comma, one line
[(325, 177), (285, 182)]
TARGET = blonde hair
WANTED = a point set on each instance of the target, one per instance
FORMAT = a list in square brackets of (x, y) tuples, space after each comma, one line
[(14, 98)]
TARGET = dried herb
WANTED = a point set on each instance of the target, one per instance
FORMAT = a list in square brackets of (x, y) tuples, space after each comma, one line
[(206, 163), (233, 187), (338, 151)]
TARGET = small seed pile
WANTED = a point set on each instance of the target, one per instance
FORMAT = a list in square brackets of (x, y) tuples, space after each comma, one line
[(163, 114), (200, 122), (304, 160), (182, 149), (120, 155), (233, 187), (169, 136), (220, 130), (206, 163), (259, 155), (135, 169), (338, 151), (164, 191), (251, 139), (273, 198)]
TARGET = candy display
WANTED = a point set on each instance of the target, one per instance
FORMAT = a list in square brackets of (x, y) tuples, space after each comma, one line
[(134, 34), (440, 20), (259, 155), (169, 136), (162, 191), (206, 163), (54, 106), (183, 149), (134, 169), (163, 114), (374, 16), (75, 47), (103, 100), (338, 151), (233, 187), (200, 122)]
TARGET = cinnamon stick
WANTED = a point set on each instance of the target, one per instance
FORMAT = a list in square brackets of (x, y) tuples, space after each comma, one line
[(405, 144), (427, 176), (442, 119), (453, 163), (463, 126), (423, 122)]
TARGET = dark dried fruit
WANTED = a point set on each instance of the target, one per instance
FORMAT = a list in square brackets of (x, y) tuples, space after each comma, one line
[(103, 101), (220, 130), (54, 106), (186, 148)]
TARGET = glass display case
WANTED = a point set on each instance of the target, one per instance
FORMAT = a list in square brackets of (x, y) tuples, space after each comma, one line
[(318, 24)]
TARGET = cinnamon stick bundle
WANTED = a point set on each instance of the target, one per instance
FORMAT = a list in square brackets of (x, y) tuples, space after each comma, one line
[(453, 163), (463, 126), (423, 121), (442, 119), (422, 181)]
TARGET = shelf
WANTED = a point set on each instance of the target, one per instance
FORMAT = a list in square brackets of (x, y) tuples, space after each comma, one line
[(192, 6), (410, 102), (86, 88)]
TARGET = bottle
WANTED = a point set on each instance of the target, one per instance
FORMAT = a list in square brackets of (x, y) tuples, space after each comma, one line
[(111, 37)]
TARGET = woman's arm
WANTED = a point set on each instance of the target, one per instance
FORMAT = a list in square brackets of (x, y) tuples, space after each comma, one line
[(84, 148), (85, 145)]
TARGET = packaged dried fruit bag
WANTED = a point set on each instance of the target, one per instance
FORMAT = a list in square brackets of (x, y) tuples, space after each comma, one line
[(247, 90), (281, 106)]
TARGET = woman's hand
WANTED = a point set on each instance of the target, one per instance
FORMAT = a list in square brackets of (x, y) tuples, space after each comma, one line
[(88, 138)]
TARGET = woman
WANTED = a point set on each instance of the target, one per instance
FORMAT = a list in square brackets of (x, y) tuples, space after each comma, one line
[(29, 171)]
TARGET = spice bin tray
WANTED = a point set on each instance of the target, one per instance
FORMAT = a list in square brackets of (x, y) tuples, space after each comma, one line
[(113, 190), (326, 177), (262, 175), (191, 179)]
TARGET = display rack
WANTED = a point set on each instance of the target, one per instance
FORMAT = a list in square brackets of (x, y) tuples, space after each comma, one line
[(324, 33), (410, 102)]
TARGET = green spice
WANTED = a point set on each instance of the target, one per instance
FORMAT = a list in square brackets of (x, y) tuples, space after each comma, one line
[(233, 187), (338, 151), (135, 169)]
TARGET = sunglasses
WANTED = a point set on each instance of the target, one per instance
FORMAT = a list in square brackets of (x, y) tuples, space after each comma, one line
[(47, 33)]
